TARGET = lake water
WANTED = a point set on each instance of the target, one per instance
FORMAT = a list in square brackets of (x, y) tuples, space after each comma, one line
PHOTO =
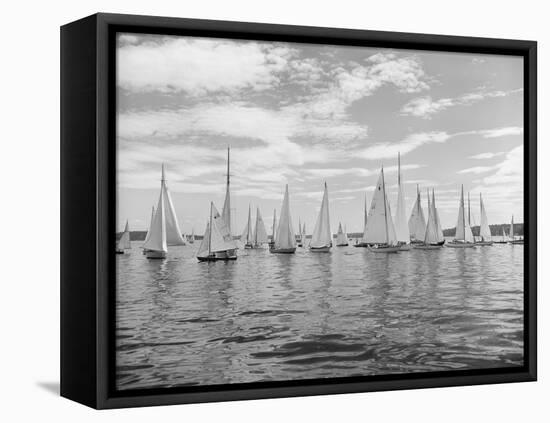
[(350, 312)]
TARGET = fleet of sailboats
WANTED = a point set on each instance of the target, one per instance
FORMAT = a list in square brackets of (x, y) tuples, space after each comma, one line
[(321, 238), (382, 231)]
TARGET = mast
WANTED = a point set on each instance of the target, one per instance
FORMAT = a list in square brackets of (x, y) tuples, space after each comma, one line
[(226, 212), (385, 205), (463, 213), (210, 231)]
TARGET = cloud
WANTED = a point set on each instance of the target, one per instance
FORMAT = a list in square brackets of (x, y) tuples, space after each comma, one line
[(410, 143), (501, 132), (426, 107), (476, 169), (489, 155), (199, 65)]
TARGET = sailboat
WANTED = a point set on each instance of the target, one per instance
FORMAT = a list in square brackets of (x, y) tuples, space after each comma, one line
[(321, 238), (260, 235), (192, 236), (226, 211), (285, 240), (401, 225), (440, 236), (463, 234), (512, 236), (417, 222), (247, 236), (504, 238), (365, 218), (484, 229), (273, 230), (164, 230), (380, 231), (304, 236), (149, 229), (300, 241), (217, 243), (124, 241), (341, 237), (432, 238)]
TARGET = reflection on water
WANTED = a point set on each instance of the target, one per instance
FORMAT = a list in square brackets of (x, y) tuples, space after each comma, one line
[(351, 312)]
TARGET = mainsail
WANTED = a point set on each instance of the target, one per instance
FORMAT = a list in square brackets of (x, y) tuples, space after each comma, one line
[(164, 229), (247, 236), (150, 224), (304, 234), (401, 225), (463, 231), (417, 222), (284, 237), (431, 235), (260, 235), (322, 236), (484, 229), (226, 211), (380, 228), (440, 236), (124, 241), (511, 235), (274, 227), (341, 236), (216, 237)]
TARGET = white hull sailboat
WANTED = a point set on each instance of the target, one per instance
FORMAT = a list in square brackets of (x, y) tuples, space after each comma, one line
[(432, 237), (124, 241), (341, 237), (380, 231), (164, 230), (463, 234), (260, 235), (400, 221), (485, 237), (285, 240), (217, 243), (417, 222), (504, 238), (321, 238)]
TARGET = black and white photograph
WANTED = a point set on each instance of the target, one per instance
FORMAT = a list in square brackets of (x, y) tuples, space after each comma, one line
[(290, 211)]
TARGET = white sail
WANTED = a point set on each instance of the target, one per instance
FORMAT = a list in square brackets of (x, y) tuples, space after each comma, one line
[(511, 235), (260, 235), (417, 222), (204, 248), (304, 234), (274, 227), (285, 232), (463, 231), (484, 229), (192, 236), (440, 236), (164, 229), (124, 241), (341, 236), (322, 236), (431, 235), (226, 211), (220, 238), (247, 235), (380, 228), (300, 229), (401, 225), (150, 224), (365, 214), (157, 231)]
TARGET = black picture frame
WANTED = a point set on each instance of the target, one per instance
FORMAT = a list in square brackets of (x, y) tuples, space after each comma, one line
[(88, 214)]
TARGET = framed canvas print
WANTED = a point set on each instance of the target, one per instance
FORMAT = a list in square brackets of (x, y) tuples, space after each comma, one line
[(254, 211)]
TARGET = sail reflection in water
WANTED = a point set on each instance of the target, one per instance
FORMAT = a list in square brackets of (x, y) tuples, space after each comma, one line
[(272, 317)]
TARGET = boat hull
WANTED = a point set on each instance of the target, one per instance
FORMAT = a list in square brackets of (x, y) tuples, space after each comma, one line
[(282, 250), (460, 244), (385, 249), (428, 246), (517, 242), (119, 251), (405, 247), (217, 258), (151, 254), (484, 243), (361, 245), (342, 245), (319, 249)]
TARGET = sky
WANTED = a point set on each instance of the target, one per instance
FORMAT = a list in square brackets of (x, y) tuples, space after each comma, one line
[(303, 114)]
